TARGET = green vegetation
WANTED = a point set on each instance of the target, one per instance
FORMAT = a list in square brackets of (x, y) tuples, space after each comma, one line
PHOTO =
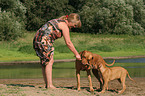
[(97, 16), (12, 19), (113, 17), (105, 45), (124, 17)]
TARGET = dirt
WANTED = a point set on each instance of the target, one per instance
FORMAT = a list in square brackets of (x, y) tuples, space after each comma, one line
[(67, 87)]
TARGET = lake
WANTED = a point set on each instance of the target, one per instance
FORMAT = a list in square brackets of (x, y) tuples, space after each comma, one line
[(135, 68)]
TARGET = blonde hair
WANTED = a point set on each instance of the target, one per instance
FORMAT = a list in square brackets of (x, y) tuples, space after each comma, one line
[(74, 18)]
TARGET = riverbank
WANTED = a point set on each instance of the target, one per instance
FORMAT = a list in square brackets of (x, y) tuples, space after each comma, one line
[(66, 60), (67, 87)]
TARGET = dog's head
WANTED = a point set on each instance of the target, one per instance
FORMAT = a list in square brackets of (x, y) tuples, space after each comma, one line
[(87, 57)]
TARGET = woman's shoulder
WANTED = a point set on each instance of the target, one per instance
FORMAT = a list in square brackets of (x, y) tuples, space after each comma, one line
[(60, 20), (59, 23), (62, 25), (56, 21)]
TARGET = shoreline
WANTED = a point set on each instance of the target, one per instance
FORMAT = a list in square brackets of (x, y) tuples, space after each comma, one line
[(67, 60)]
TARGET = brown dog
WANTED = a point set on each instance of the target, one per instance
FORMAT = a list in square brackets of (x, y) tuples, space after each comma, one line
[(108, 74), (86, 64)]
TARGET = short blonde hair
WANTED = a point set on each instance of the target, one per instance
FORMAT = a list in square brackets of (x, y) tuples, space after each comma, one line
[(74, 18)]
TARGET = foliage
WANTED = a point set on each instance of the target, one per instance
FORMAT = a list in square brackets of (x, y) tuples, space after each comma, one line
[(39, 12), (97, 16), (77, 4), (15, 7), (88, 17), (10, 29), (138, 11), (113, 17), (12, 15)]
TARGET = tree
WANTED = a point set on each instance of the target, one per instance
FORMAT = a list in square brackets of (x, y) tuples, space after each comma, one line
[(12, 19), (138, 11), (87, 14), (113, 17), (39, 12)]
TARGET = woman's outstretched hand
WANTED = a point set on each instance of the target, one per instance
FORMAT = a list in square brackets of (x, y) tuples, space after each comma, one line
[(78, 57)]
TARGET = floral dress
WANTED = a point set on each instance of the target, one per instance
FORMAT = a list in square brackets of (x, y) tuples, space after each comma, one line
[(44, 39)]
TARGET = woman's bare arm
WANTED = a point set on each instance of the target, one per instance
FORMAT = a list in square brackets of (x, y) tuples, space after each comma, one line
[(66, 35)]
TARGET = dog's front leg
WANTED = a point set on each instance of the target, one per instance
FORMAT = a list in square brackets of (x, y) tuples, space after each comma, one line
[(105, 85), (78, 80), (90, 81)]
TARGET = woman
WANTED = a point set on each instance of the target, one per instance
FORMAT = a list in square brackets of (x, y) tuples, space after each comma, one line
[(44, 39)]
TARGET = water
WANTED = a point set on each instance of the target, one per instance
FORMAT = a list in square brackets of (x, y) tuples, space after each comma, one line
[(134, 60), (135, 68)]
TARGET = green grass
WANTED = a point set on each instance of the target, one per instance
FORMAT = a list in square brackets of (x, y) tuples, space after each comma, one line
[(105, 45)]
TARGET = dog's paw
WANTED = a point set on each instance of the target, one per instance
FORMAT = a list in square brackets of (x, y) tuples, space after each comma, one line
[(102, 92)]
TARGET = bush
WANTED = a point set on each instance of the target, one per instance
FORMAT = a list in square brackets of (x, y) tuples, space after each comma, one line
[(12, 19), (138, 30), (87, 15), (138, 11), (113, 17), (123, 29), (10, 29), (15, 7), (40, 11)]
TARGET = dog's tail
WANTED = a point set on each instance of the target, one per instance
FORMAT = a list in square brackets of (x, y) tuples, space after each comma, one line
[(110, 64), (130, 77)]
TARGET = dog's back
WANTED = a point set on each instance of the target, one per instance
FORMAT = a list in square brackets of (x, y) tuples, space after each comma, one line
[(117, 72)]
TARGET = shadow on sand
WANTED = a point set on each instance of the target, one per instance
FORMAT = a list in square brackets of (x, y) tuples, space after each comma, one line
[(20, 85), (88, 89)]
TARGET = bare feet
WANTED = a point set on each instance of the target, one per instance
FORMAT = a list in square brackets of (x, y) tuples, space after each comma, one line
[(50, 87)]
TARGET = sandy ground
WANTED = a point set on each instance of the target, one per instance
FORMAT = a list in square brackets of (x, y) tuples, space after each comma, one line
[(67, 87)]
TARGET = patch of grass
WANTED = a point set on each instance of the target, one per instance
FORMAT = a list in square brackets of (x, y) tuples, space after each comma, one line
[(105, 45), (27, 49), (62, 49)]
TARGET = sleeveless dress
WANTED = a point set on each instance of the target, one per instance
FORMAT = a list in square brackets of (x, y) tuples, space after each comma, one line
[(44, 39)]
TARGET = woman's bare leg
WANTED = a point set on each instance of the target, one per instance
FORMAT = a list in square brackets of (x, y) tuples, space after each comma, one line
[(47, 73), (44, 76)]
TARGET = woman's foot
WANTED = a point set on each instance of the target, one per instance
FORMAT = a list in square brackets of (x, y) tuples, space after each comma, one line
[(51, 87)]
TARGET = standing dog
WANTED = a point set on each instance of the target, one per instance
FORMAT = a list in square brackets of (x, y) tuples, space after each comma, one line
[(112, 73), (89, 59)]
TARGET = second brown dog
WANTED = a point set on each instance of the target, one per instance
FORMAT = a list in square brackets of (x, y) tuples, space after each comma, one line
[(112, 73)]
